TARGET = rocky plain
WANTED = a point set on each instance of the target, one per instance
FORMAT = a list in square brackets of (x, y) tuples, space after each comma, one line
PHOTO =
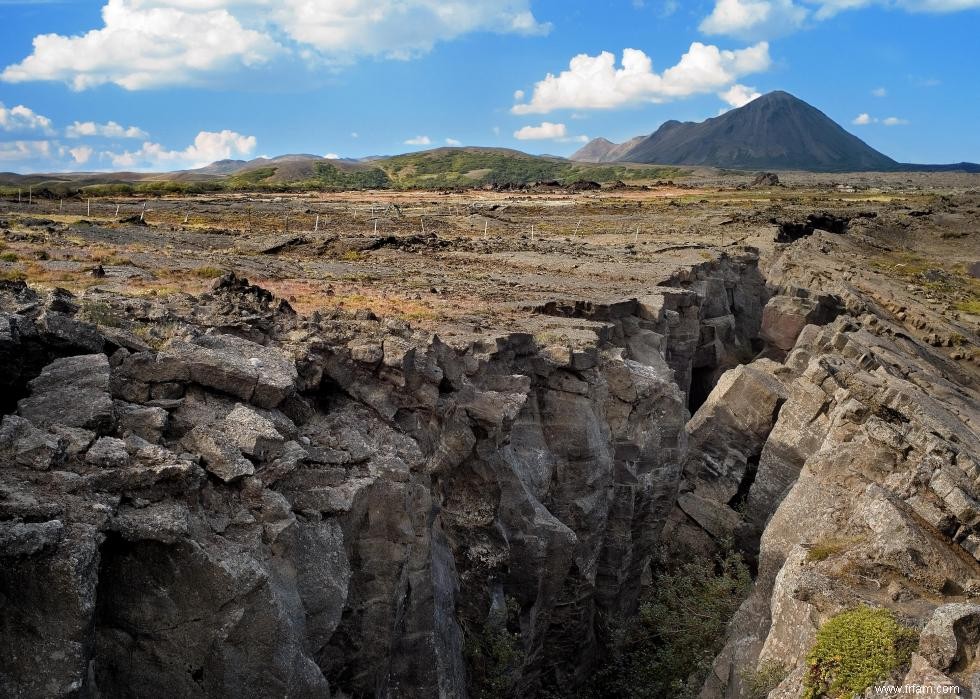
[(348, 445)]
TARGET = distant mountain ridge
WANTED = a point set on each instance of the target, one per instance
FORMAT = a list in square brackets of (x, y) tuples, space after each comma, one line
[(774, 132)]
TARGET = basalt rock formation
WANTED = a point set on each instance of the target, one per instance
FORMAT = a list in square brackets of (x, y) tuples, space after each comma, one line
[(239, 500), (221, 497)]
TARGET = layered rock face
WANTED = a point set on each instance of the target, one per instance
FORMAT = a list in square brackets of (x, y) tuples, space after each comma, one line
[(241, 501), (850, 470)]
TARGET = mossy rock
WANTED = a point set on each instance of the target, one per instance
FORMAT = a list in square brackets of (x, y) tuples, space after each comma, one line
[(855, 649)]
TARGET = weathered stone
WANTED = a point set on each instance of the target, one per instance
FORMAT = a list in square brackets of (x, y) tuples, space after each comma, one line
[(253, 434), (221, 456), (146, 422), (108, 452), (23, 444), (74, 392), (29, 539)]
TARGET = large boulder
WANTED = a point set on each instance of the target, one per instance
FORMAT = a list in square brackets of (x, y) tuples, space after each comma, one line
[(74, 392)]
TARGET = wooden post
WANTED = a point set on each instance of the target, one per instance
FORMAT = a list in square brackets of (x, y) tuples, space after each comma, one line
[(486, 228), (422, 219), (375, 226), (186, 216), (61, 204), (532, 232), (88, 208), (316, 226), (117, 210), (143, 212), (577, 226)]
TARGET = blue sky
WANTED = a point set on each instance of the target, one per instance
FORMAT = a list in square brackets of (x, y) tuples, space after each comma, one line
[(168, 84)]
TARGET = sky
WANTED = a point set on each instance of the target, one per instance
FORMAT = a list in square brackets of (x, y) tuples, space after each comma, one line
[(159, 85)]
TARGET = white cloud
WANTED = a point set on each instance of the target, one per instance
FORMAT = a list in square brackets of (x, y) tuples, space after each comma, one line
[(518, 95), (546, 131), (25, 150), (419, 141), (879, 92), (453, 142), (332, 156), (766, 19), (21, 118), (145, 43), (594, 82), (81, 154), (754, 19), (109, 130), (150, 43), (739, 95), (397, 29), (864, 119), (208, 147), (354, 134)]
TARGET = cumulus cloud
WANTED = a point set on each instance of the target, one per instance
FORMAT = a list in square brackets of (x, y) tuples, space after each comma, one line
[(110, 129), (594, 82), (25, 150), (453, 142), (753, 19), (151, 43), (81, 154), (147, 44), (864, 119), (21, 118), (397, 28), (208, 147), (419, 141), (332, 156), (739, 95), (548, 131)]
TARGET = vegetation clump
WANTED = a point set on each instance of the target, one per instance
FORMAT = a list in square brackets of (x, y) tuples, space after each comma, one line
[(495, 655), (855, 649), (668, 648)]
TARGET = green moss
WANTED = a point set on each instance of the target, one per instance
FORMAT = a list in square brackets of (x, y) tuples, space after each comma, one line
[(853, 650)]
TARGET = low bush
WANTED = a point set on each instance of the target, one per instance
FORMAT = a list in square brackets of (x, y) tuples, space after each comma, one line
[(855, 649)]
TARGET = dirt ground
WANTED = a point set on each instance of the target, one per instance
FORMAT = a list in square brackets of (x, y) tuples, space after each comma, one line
[(476, 261)]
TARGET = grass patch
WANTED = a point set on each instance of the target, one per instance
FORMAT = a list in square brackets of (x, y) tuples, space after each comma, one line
[(352, 256), (761, 681), (101, 313), (855, 649), (830, 546), (8, 256), (207, 272)]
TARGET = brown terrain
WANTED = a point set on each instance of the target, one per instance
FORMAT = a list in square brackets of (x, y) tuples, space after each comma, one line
[(432, 422)]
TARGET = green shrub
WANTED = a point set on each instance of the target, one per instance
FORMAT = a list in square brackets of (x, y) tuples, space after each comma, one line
[(853, 650), (495, 655), (8, 257), (668, 648)]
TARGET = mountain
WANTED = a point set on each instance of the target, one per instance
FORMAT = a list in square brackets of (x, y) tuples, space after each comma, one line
[(601, 150), (774, 132)]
